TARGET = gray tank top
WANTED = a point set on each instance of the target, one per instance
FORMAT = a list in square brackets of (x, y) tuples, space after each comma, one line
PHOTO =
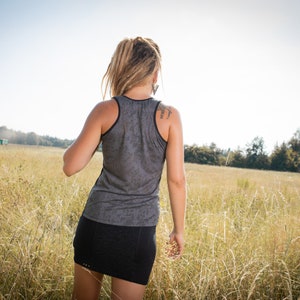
[(126, 192)]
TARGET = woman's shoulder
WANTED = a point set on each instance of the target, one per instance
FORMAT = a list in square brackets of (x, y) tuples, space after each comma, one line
[(105, 113), (167, 112), (167, 117), (105, 108), (106, 104)]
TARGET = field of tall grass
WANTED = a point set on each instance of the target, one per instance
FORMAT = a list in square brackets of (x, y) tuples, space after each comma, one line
[(242, 231)]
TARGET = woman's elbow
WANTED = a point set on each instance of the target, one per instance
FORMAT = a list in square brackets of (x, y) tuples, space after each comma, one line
[(178, 181), (68, 166), (67, 170)]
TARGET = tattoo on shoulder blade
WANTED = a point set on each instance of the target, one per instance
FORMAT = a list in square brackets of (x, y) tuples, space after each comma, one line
[(165, 111)]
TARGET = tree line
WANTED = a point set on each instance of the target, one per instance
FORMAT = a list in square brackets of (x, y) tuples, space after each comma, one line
[(31, 138), (284, 157)]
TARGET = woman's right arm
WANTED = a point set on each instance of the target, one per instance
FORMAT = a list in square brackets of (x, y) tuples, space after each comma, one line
[(78, 155)]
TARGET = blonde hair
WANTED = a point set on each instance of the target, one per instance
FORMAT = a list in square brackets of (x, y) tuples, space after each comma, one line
[(133, 61)]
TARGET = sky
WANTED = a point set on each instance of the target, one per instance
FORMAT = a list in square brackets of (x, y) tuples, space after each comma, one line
[(231, 68)]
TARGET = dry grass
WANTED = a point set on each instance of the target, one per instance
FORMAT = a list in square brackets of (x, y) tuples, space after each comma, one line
[(242, 238)]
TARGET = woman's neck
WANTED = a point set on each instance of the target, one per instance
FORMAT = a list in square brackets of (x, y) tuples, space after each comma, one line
[(139, 92)]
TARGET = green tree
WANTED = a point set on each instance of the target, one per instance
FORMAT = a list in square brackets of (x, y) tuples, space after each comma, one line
[(190, 153), (237, 159), (294, 145), (294, 142), (203, 155), (280, 158), (32, 139), (256, 157)]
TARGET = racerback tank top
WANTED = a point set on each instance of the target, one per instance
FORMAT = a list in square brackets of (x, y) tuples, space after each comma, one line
[(126, 192)]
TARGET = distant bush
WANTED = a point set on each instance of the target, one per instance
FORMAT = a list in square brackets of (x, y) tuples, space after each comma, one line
[(283, 158), (31, 138)]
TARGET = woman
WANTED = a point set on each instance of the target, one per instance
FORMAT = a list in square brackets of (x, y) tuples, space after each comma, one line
[(116, 232)]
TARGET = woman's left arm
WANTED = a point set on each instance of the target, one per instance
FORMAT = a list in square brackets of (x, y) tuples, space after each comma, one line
[(78, 155)]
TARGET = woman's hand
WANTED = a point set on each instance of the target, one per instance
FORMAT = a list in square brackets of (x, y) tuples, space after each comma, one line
[(175, 245)]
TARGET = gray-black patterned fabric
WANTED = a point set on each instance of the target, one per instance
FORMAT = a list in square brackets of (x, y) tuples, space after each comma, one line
[(125, 252), (126, 192)]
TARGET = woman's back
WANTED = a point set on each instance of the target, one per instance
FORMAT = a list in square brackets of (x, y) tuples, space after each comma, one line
[(133, 149), (133, 159)]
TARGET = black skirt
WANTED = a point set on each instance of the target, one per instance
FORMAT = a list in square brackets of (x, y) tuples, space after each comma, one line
[(119, 251)]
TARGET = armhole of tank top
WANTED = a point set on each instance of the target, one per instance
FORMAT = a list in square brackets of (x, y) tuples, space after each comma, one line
[(155, 123), (113, 125)]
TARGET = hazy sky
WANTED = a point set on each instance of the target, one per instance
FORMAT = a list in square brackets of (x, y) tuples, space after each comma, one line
[(232, 68)]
